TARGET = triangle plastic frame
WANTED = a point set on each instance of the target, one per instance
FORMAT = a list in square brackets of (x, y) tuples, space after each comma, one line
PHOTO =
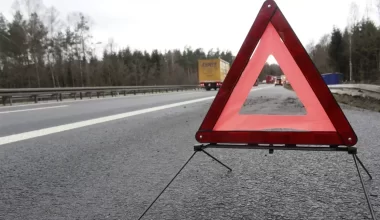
[(343, 134)]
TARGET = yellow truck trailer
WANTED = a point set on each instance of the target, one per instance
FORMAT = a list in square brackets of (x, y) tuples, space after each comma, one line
[(211, 73)]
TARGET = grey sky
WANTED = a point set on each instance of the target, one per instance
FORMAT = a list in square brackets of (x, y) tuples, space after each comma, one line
[(168, 24)]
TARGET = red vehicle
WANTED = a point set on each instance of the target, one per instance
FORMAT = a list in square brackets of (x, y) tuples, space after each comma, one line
[(270, 79)]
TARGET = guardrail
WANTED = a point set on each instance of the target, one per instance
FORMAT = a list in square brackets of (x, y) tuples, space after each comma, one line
[(362, 90), (36, 94)]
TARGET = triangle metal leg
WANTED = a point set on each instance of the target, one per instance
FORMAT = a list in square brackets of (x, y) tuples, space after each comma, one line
[(196, 149), (364, 189), (202, 147), (217, 160), (362, 165), (167, 186)]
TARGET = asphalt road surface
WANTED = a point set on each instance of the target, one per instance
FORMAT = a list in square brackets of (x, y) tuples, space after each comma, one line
[(109, 159)]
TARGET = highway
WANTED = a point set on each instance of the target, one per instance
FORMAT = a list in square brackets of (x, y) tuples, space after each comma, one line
[(109, 158)]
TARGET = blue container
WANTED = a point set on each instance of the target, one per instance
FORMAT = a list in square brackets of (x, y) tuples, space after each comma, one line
[(332, 78)]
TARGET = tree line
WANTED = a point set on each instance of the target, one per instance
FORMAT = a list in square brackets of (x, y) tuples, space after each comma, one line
[(353, 51), (38, 49)]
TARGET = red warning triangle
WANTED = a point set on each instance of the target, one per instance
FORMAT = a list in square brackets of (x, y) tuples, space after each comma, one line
[(324, 123)]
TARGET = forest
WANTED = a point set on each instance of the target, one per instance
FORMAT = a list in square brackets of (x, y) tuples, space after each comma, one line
[(38, 49)]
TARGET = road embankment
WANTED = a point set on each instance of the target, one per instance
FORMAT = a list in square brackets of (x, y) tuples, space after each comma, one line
[(354, 97)]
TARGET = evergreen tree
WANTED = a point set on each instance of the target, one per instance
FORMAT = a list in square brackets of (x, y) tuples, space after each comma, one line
[(336, 51)]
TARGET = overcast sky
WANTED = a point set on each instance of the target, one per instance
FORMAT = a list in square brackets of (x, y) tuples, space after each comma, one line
[(168, 24)]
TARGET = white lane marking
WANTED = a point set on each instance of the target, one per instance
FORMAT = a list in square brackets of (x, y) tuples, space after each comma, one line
[(61, 128), (260, 88), (66, 127), (86, 99), (33, 109)]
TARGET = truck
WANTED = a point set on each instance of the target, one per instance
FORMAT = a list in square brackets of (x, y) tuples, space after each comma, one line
[(283, 79), (280, 80), (212, 72)]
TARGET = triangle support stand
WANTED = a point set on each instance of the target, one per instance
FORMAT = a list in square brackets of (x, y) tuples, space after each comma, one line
[(356, 158), (272, 148)]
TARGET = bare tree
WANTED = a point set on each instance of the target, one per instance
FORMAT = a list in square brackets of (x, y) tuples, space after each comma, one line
[(368, 9), (32, 6), (319, 53), (378, 8), (94, 49), (53, 23), (111, 45), (16, 6), (352, 21), (310, 47), (378, 13), (37, 33), (82, 25)]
